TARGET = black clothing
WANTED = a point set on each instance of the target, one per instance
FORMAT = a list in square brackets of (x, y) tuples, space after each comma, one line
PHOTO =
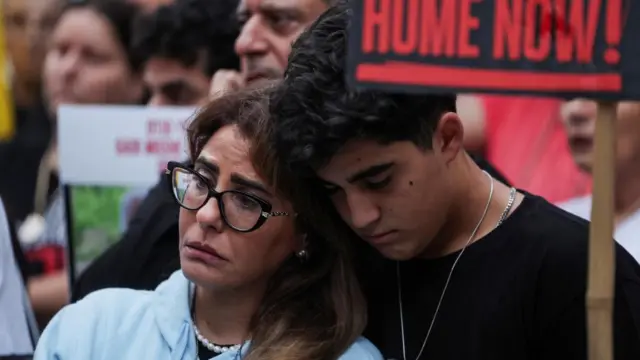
[(204, 353), (20, 159), (518, 293)]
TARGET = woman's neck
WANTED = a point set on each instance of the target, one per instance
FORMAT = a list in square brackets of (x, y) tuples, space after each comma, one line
[(224, 316)]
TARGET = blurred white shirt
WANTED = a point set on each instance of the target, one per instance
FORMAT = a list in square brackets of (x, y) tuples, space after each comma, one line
[(627, 232), (15, 337)]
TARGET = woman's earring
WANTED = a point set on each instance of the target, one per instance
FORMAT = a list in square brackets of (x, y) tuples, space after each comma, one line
[(302, 255)]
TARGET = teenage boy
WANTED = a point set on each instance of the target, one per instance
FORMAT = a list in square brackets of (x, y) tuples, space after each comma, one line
[(473, 269)]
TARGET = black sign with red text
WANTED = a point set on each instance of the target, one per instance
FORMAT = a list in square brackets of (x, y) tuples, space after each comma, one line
[(565, 48)]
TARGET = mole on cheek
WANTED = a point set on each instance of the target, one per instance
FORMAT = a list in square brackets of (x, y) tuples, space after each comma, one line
[(410, 183)]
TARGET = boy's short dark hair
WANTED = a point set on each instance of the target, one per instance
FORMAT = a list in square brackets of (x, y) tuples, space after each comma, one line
[(189, 31), (315, 113)]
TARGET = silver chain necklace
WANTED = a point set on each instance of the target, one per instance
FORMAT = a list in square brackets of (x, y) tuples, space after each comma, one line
[(446, 284)]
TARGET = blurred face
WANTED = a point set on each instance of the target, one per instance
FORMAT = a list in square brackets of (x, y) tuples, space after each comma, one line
[(579, 118), (213, 254), (29, 24), (86, 64), (172, 84), (395, 196), (269, 27)]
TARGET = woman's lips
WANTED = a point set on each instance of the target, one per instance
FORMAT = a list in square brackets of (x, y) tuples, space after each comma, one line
[(204, 253)]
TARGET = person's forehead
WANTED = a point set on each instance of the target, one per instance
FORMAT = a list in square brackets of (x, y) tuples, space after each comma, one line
[(230, 150), (629, 111), (14, 6), (150, 5), (43, 7), (354, 156), (159, 69), (87, 27), (257, 5), (163, 66)]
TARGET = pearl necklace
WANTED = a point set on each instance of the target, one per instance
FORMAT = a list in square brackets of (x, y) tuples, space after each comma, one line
[(211, 346)]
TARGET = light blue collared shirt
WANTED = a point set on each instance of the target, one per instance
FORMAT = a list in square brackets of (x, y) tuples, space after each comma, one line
[(129, 324)]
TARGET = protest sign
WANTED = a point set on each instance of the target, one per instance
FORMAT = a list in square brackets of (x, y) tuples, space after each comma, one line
[(109, 158), (567, 48)]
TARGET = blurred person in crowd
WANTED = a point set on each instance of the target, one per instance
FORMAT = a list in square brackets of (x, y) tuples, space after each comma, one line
[(182, 45), (87, 62), (523, 137), (461, 266), (253, 283), (187, 43), (579, 118), (146, 255), (15, 336), (28, 25), (268, 29)]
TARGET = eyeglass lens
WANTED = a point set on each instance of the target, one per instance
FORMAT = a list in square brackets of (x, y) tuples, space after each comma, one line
[(239, 210)]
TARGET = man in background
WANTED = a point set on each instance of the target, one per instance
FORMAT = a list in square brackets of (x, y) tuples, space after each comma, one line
[(269, 27), (524, 138), (182, 45), (579, 118)]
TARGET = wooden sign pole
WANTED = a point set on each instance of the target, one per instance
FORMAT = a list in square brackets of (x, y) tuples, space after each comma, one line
[(600, 288)]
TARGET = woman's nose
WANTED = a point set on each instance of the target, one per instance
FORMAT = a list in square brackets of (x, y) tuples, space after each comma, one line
[(209, 216)]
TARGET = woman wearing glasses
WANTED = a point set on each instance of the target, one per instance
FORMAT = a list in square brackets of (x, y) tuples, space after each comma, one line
[(253, 284)]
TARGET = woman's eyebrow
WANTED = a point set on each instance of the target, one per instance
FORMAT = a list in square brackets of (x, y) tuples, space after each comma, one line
[(252, 184), (207, 164)]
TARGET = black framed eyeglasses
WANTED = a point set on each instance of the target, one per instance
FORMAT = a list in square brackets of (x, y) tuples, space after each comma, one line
[(241, 211)]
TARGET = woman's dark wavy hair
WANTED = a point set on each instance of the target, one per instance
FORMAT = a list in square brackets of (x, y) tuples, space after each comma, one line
[(312, 310), (120, 15), (316, 113)]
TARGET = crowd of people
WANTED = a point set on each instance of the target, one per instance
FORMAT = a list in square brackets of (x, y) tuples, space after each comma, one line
[(309, 220)]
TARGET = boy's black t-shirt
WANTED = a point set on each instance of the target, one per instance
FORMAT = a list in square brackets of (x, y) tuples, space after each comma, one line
[(518, 293)]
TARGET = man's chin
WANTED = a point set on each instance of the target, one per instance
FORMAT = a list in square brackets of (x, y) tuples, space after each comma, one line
[(261, 82), (584, 163)]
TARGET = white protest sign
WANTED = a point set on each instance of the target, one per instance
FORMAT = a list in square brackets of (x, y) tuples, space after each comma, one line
[(119, 145)]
